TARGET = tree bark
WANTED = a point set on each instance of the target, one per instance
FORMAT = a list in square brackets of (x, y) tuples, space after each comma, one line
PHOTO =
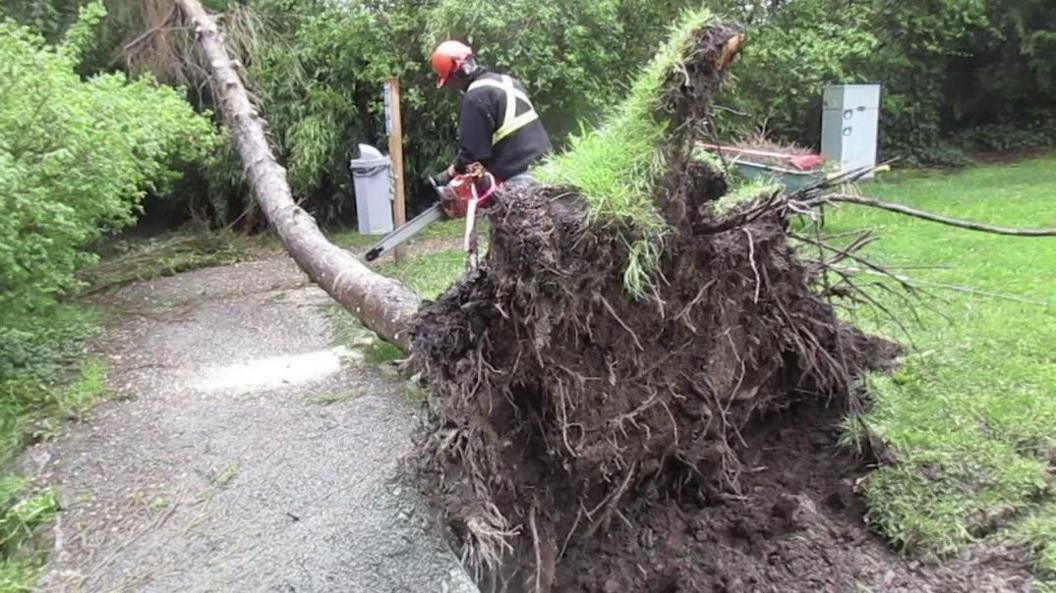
[(381, 303)]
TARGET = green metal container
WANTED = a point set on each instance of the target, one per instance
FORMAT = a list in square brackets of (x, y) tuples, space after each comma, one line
[(789, 179)]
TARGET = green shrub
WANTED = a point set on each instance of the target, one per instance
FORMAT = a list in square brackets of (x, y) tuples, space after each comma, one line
[(76, 158)]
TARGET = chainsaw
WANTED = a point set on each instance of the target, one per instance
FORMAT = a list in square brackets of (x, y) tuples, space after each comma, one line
[(459, 198)]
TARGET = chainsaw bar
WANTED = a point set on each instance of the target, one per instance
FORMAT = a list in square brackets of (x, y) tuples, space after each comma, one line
[(405, 232)]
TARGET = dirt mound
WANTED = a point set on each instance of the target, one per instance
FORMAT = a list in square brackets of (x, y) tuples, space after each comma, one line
[(583, 439), (796, 526), (562, 403)]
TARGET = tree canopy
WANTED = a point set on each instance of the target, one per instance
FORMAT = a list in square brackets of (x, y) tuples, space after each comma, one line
[(957, 74)]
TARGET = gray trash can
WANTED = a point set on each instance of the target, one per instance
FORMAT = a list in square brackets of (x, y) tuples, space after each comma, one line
[(371, 177)]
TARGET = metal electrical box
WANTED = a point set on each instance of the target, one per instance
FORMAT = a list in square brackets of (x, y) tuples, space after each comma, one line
[(850, 123)]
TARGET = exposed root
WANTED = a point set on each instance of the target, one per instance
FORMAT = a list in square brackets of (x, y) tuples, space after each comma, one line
[(578, 404), (931, 216), (489, 536)]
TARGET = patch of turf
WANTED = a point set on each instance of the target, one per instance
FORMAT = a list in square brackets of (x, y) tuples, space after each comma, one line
[(1038, 533), (617, 166), (451, 229), (89, 387), (352, 240), (350, 333), (428, 275), (970, 416), (444, 230), (379, 352), (330, 399)]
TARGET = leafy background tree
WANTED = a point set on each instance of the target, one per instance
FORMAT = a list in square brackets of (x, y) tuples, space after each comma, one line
[(573, 56), (318, 66), (956, 74)]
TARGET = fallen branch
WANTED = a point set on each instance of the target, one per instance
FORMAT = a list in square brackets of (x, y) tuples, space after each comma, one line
[(381, 303), (929, 216), (162, 26)]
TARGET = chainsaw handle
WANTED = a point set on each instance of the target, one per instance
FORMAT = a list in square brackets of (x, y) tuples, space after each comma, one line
[(436, 188), (442, 178)]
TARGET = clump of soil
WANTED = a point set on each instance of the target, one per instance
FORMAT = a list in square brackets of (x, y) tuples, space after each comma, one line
[(795, 526), (585, 440)]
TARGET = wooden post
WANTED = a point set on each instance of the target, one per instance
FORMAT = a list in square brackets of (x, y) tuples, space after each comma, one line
[(395, 130)]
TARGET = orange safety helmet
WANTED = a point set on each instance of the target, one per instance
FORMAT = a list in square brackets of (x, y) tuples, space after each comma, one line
[(447, 58)]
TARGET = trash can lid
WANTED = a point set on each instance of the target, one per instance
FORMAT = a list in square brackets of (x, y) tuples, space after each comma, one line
[(369, 158), (362, 164), (367, 152)]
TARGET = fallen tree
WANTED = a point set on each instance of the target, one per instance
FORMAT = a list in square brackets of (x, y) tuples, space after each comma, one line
[(381, 303), (623, 395)]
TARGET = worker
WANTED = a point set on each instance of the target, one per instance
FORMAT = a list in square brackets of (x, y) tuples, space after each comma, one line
[(499, 131)]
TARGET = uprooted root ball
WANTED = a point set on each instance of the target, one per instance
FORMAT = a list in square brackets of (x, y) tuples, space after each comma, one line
[(559, 399), (561, 403)]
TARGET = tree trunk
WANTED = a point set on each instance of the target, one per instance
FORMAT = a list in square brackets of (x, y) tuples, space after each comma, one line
[(381, 303)]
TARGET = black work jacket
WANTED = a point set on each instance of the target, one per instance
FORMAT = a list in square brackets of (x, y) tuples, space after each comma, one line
[(482, 113)]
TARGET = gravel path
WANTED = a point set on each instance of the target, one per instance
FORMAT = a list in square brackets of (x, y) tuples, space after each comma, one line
[(246, 452)]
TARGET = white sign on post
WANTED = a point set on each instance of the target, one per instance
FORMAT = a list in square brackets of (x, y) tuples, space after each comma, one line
[(386, 93)]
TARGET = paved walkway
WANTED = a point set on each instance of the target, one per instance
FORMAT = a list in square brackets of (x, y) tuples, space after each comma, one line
[(246, 451)]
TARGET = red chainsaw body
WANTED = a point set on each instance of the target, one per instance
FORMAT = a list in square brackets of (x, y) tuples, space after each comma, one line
[(464, 189)]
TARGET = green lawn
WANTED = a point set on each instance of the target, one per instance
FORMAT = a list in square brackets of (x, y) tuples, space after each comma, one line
[(427, 274), (444, 230), (970, 415)]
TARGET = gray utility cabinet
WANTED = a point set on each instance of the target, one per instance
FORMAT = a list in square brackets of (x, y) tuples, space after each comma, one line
[(850, 123)]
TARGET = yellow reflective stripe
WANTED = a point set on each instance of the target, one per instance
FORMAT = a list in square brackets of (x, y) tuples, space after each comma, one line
[(511, 107), (512, 126), (511, 122)]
